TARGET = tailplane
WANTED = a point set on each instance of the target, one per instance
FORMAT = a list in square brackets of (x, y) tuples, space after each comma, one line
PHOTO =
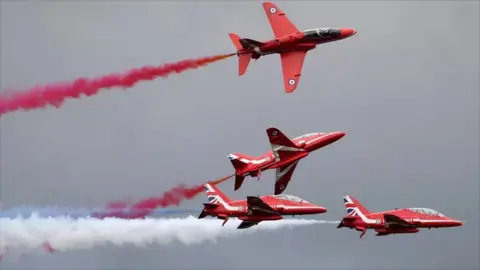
[(242, 44), (354, 207)]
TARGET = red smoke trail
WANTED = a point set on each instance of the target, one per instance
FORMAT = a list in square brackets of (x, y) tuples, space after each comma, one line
[(56, 94), (145, 207)]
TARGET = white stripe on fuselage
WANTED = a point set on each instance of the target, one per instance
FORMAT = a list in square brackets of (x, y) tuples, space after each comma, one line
[(249, 161), (373, 221), (227, 206), (363, 217)]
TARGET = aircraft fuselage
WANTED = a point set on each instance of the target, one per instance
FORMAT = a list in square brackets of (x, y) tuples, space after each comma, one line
[(311, 143), (301, 41)]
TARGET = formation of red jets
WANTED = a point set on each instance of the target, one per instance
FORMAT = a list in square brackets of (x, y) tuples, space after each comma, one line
[(293, 45)]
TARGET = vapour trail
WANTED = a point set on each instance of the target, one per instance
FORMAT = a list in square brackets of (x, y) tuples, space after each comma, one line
[(55, 94), (54, 211), (22, 236)]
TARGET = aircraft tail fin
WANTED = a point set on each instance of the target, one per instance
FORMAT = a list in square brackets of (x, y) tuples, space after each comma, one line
[(243, 58), (354, 207), (215, 196), (244, 43), (239, 162)]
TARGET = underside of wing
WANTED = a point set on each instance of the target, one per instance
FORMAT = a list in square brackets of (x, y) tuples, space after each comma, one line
[(247, 224), (278, 20), (283, 176), (393, 221), (292, 64), (258, 207)]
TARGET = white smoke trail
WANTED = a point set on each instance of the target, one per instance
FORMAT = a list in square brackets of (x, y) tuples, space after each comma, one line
[(23, 235)]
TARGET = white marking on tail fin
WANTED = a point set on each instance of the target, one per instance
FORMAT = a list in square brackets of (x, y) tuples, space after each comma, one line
[(349, 206), (354, 208), (215, 196)]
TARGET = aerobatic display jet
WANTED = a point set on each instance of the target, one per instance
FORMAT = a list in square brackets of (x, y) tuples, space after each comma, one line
[(291, 43), (406, 220), (255, 209), (283, 157)]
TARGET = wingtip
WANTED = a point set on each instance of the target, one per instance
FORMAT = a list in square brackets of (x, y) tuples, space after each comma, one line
[(273, 132), (290, 89)]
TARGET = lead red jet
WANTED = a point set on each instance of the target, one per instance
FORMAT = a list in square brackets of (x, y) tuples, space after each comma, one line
[(407, 220), (291, 43), (283, 157), (254, 209)]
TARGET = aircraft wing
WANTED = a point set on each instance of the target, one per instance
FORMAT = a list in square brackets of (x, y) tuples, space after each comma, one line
[(257, 207), (247, 224), (292, 64), (278, 20), (282, 147), (283, 175), (394, 221)]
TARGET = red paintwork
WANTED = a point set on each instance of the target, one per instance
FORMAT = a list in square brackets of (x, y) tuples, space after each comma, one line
[(286, 160), (289, 42), (398, 221), (255, 209)]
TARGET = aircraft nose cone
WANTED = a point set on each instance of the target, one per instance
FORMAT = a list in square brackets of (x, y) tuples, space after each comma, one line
[(320, 209), (346, 32), (339, 134)]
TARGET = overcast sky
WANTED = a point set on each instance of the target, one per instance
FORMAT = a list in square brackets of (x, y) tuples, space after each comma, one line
[(405, 90)]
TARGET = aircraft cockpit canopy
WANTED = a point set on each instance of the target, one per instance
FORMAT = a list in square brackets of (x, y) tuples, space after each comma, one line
[(323, 32), (306, 136), (290, 198), (426, 211)]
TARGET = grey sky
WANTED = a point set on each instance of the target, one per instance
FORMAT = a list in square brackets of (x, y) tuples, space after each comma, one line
[(405, 89)]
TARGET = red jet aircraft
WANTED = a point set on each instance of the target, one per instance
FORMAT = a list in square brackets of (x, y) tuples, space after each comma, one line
[(406, 220), (283, 157), (254, 209), (289, 42)]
